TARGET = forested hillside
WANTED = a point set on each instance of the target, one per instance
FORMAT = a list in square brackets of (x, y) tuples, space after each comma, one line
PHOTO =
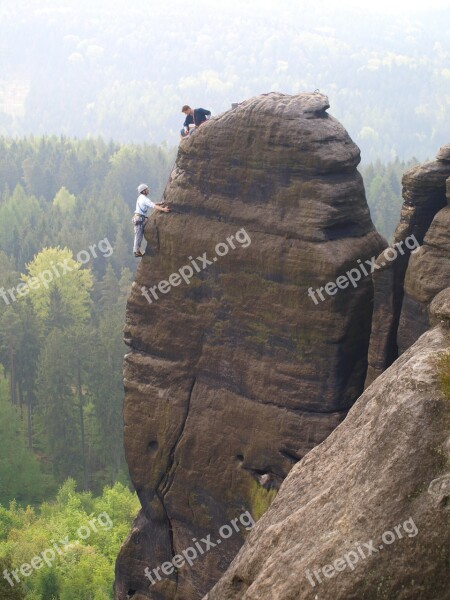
[(384, 192), (66, 267), (65, 550), (124, 71)]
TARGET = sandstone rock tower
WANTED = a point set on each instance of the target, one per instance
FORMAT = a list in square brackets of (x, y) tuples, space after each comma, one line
[(233, 377)]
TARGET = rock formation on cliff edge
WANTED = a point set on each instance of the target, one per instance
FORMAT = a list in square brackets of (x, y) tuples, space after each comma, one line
[(367, 512), (234, 377), (404, 288)]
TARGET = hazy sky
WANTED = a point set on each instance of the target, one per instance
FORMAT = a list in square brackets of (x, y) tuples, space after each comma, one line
[(106, 67), (395, 5), (212, 6)]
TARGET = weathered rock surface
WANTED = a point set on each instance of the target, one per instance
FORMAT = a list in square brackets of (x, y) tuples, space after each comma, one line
[(386, 468), (427, 274), (405, 287), (440, 308), (233, 378)]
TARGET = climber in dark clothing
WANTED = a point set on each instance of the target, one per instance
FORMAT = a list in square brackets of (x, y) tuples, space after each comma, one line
[(194, 118)]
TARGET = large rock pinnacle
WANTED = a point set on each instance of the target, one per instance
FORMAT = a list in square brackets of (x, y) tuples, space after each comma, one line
[(235, 372)]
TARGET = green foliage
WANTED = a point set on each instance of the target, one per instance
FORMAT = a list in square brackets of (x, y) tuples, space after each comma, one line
[(6, 591), (9, 518), (64, 200), (444, 373), (85, 568), (382, 183), (66, 291), (89, 579), (57, 404), (47, 586), (61, 343), (20, 473), (260, 499), (61, 354), (18, 213)]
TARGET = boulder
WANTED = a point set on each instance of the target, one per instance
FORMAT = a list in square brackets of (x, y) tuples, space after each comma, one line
[(440, 308), (366, 513)]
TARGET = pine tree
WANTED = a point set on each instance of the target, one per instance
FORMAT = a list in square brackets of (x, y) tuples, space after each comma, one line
[(57, 404), (20, 474)]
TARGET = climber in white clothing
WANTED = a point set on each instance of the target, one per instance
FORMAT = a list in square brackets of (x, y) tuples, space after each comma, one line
[(140, 218)]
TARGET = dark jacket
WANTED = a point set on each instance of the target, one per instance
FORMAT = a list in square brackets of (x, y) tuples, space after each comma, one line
[(199, 117)]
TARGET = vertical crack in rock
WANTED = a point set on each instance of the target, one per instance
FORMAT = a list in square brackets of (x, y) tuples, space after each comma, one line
[(167, 479), (163, 486)]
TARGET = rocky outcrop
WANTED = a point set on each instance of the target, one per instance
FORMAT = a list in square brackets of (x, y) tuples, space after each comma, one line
[(405, 287), (365, 515), (427, 274), (235, 372)]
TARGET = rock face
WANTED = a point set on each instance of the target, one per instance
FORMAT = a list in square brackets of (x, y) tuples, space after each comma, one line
[(428, 273), (405, 287), (235, 374), (365, 514)]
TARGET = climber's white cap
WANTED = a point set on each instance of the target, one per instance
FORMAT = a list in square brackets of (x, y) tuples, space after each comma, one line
[(142, 187)]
